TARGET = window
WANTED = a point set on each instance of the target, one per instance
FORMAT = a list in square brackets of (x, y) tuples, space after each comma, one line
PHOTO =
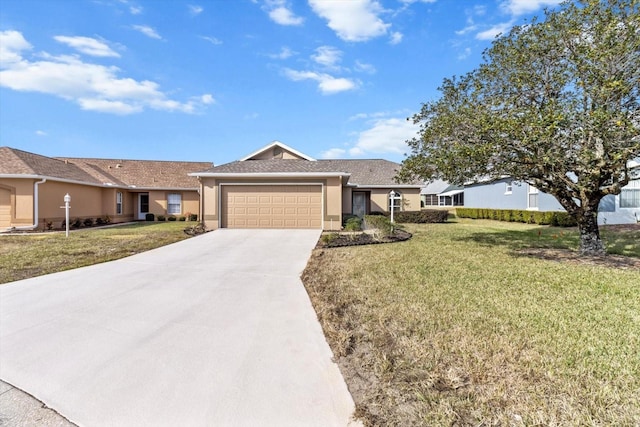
[(533, 197), (630, 198), (508, 188), (118, 203), (174, 203), (395, 198), (431, 199)]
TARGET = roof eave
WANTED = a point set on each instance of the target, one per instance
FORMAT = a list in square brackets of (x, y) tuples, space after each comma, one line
[(268, 174)]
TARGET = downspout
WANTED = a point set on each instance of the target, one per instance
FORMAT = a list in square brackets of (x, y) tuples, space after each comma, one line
[(35, 208)]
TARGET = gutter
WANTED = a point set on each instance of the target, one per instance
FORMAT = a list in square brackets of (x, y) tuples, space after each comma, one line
[(35, 208)]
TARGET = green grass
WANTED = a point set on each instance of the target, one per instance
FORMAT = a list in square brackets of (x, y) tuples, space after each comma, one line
[(24, 256), (457, 327)]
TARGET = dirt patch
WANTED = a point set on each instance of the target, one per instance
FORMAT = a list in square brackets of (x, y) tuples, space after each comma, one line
[(572, 257), (337, 240)]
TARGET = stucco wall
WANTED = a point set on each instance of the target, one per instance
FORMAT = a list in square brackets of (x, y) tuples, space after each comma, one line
[(380, 199), (493, 195)]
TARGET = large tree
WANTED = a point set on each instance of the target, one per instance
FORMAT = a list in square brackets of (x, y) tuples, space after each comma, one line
[(554, 104)]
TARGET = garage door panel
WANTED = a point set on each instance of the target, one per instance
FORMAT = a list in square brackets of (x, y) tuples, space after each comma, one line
[(272, 206)]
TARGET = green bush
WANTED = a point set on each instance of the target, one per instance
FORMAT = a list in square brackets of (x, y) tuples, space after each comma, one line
[(421, 217), (149, 217), (161, 218), (328, 238), (88, 222), (172, 218), (182, 218), (353, 224), (560, 219), (75, 223), (193, 217), (381, 224)]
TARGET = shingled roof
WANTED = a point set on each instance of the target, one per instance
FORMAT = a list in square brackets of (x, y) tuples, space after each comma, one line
[(121, 173), (370, 172)]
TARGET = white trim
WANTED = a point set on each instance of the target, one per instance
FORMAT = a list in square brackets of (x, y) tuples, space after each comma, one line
[(532, 190), (451, 193), (281, 145), (391, 187), (237, 184)]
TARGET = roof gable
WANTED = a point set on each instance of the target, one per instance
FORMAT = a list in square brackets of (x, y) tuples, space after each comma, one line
[(277, 151)]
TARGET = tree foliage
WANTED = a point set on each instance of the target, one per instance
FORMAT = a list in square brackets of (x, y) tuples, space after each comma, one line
[(554, 103)]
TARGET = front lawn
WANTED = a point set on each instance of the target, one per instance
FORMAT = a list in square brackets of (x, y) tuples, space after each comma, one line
[(30, 255), (484, 323)]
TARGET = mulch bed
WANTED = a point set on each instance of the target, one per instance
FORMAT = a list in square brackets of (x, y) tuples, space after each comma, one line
[(357, 239)]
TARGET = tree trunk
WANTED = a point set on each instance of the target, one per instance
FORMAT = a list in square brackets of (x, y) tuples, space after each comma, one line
[(590, 242)]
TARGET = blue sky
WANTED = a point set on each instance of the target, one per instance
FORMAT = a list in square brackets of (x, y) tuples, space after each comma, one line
[(216, 80)]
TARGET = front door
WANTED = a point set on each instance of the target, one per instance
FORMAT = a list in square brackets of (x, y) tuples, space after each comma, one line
[(143, 205), (359, 203)]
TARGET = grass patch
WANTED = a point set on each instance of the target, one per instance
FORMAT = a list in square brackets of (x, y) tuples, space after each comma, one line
[(25, 256), (457, 327)]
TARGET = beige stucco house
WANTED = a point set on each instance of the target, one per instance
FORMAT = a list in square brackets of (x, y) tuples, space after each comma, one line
[(32, 188), (280, 187)]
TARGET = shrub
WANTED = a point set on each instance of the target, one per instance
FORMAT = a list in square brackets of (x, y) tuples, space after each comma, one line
[(161, 217), (380, 213), (421, 217), (346, 217), (381, 225), (328, 238), (88, 222), (149, 217), (172, 218), (75, 223), (193, 217), (99, 221), (182, 218), (353, 224), (560, 219)]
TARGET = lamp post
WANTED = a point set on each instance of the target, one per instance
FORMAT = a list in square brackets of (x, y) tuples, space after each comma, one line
[(67, 200), (392, 195)]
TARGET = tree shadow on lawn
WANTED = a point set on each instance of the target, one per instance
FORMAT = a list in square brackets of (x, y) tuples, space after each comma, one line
[(561, 245)]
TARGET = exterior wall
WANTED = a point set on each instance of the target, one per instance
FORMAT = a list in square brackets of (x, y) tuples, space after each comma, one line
[(190, 202), (347, 200), (332, 198), (493, 195), (380, 199), (85, 201)]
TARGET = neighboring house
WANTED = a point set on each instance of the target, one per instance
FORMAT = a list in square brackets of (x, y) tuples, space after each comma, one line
[(32, 188), (441, 193), (279, 187), (505, 193)]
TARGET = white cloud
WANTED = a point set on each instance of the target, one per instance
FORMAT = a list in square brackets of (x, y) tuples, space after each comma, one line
[(284, 53), (212, 40), (327, 84), (521, 7), (147, 31), (416, 1), (327, 56), (396, 38), (352, 20), (135, 10), (365, 68), (195, 9), (88, 46), (280, 13), (387, 135), (41, 133), (333, 153), (492, 32), (93, 87), (12, 43), (464, 54)]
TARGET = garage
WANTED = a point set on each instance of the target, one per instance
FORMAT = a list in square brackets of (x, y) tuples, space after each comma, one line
[(271, 206), (5, 208)]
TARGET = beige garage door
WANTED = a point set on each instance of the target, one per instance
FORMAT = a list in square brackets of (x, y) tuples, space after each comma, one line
[(272, 206), (5, 208)]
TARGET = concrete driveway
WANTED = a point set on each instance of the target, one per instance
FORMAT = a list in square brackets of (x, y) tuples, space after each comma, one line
[(215, 330)]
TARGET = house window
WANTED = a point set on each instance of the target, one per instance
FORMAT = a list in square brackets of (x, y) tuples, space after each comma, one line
[(431, 199), (396, 198), (533, 197), (174, 203), (508, 188), (118, 203), (630, 198)]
